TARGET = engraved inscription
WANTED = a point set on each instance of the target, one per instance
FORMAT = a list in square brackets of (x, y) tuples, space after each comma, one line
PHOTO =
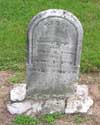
[(53, 47)]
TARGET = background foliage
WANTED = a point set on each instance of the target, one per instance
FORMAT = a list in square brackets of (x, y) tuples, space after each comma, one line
[(16, 14)]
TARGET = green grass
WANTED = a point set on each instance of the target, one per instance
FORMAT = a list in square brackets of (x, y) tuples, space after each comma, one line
[(44, 119), (24, 120), (18, 77), (78, 119), (50, 119), (16, 14)]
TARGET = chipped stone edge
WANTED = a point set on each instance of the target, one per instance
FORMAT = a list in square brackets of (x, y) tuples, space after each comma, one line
[(53, 105)]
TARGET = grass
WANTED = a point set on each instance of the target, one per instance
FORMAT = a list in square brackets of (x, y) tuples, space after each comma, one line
[(78, 119), (16, 14), (18, 77), (44, 119), (49, 119), (24, 120)]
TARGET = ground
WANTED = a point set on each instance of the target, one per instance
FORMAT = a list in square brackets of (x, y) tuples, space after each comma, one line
[(15, 16), (91, 79), (5, 87)]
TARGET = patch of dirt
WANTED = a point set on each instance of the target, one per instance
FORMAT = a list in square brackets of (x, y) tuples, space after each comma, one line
[(91, 79), (5, 117), (4, 75), (70, 120)]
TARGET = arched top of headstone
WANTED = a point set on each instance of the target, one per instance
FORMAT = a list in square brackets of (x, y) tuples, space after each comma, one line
[(54, 50), (59, 13)]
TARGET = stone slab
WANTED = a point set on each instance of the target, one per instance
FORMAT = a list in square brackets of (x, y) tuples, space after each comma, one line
[(54, 50), (18, 93), (80, 102)]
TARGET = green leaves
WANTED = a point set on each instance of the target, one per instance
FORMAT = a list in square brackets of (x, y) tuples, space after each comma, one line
[(28, 120), (24, 120)]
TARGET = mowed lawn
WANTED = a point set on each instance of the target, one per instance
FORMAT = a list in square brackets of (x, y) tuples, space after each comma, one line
[(16, 14)]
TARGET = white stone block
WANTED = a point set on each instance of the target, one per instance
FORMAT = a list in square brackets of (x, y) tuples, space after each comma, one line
[(81, 90), (18, 92), (19, 107), (80, 102)]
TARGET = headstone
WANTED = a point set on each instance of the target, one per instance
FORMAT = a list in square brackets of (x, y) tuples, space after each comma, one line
[(54, 50)]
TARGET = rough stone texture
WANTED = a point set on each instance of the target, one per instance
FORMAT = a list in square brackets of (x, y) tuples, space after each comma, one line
[(80, 102), (45, 107), (18, 93), (19, 107), (78, 105), (81, 90), (31, 107), (37, 107), (54, 49), (53, 105)]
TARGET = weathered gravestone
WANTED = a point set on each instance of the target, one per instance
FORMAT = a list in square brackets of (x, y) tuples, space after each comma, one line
[(54, 49)]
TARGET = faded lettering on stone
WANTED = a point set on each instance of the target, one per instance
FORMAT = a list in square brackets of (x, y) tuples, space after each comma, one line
[(53, 49), (54, 52)]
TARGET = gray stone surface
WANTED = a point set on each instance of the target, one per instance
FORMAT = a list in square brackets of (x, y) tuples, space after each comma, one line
[(54, 49), (53, 105), (18, 93), (81, 90), (80, 102), (19, 107), (77, 104)]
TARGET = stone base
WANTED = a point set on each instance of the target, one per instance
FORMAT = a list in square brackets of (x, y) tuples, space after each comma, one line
[(30, 107), (80, 102)]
